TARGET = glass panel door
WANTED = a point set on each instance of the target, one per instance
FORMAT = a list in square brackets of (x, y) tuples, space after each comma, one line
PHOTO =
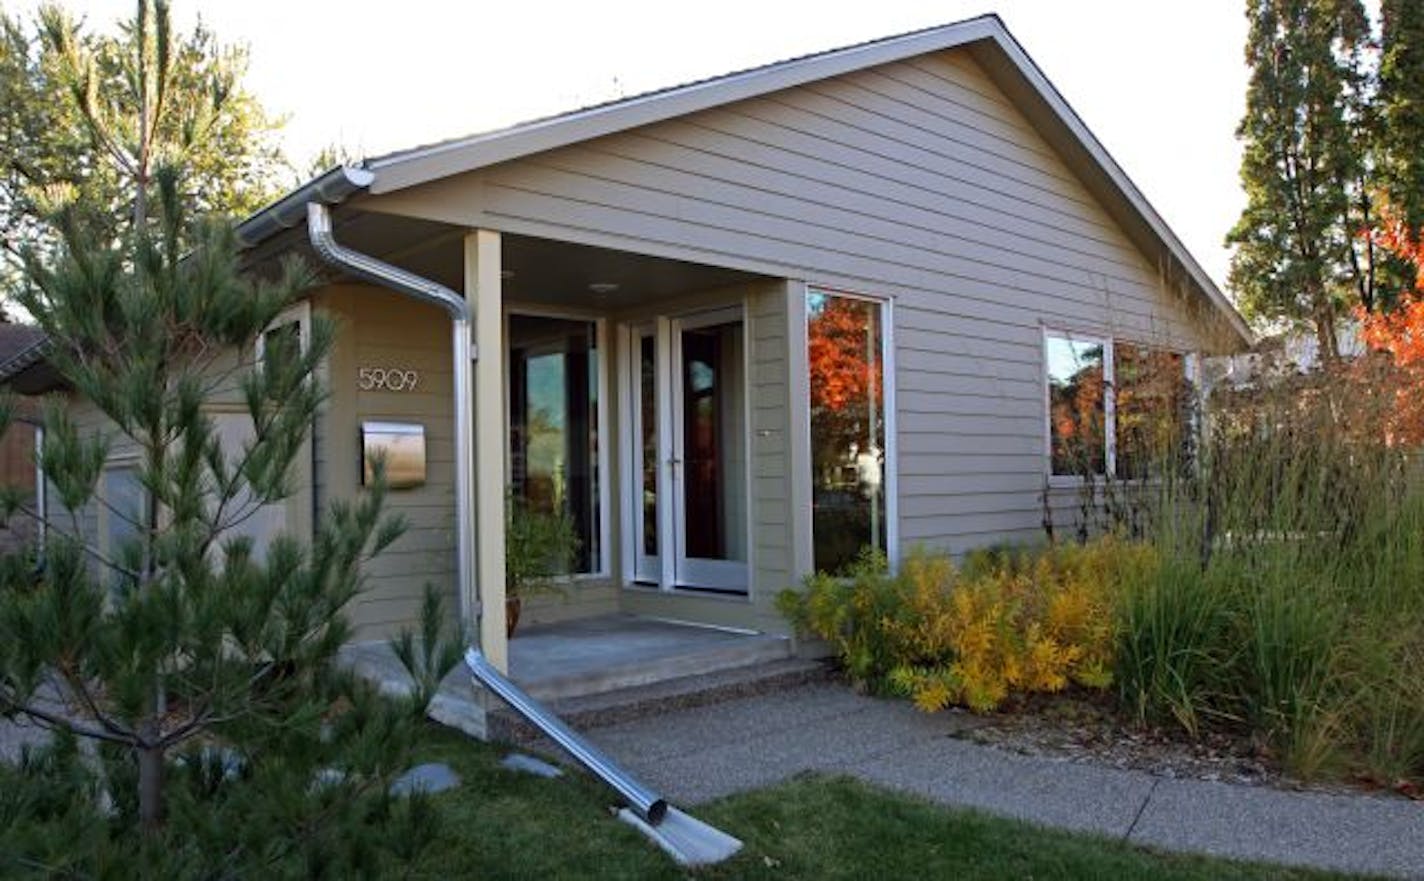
[(687, 379), (710, 452)]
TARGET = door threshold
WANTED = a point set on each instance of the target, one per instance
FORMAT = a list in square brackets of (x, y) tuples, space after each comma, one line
[(721, 628), (707, 593)]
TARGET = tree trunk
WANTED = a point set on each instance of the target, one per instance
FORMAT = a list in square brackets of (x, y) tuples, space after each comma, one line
[(1325, 335), (150, 782)]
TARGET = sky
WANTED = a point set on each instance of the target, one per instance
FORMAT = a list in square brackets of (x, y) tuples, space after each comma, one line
[(1162, 84)]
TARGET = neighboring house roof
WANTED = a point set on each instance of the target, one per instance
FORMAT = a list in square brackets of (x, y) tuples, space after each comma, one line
[(16, 340), (22, 346)]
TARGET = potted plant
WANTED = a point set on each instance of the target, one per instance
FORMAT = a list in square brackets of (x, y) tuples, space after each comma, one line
[(538, 547)]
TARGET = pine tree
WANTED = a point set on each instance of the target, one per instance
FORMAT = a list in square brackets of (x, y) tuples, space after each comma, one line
[(202, 666), (1302, 167), (88, 117)]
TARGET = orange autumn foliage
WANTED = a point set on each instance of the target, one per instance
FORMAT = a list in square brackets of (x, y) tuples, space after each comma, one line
[(1399, 333), (841, 374)]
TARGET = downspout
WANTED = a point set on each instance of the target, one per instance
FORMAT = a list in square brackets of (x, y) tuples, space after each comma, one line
[(463, 354), (690, 841)]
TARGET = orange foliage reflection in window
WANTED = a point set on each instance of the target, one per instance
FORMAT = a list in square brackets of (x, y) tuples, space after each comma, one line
[(1076, 392), (844, 357), (842, 374)]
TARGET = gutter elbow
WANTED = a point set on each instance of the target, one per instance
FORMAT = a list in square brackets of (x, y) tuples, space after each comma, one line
[(323, 241)]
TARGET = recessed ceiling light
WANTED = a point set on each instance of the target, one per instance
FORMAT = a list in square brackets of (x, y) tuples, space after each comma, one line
[(603, 287)]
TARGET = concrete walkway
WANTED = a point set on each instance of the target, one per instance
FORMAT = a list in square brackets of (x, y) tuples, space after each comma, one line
[(702, 753)]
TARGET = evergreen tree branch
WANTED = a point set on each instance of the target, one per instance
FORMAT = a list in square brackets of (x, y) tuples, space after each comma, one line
[(56, 722)]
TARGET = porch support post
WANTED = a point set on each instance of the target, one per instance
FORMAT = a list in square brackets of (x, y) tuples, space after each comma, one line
[(484, 291), (798, 435)]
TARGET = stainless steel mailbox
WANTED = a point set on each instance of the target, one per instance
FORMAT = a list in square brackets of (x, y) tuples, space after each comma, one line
[(401, 445)]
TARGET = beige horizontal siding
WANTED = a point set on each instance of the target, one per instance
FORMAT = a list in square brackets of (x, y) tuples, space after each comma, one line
[(918, 181), (377, 328)]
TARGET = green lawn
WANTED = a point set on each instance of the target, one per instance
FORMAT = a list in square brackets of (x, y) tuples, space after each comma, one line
[(506, 825)]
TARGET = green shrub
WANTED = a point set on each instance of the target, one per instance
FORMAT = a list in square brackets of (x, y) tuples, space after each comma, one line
[(848, 613), (1174, 631), (1010, 621)]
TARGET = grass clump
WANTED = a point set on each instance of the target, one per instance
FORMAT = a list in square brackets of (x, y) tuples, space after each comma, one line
[(1289, 606), (1272, 588)]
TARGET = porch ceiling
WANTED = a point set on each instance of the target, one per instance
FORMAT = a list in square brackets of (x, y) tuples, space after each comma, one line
[(559, 273), (537, 270)]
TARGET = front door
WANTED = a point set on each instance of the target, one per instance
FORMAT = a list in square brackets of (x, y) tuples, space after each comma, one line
[(690, 426)]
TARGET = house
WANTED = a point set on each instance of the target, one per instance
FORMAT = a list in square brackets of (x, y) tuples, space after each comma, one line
[(17, 443), (1284, 353), (738, 330)]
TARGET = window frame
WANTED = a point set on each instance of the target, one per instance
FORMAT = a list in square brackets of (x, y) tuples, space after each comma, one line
[(299, 313), (1190, 369), (890, 411)]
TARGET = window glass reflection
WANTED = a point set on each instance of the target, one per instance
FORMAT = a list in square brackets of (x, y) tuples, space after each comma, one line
[(1075, 406), (553, 424), (845, 352), (1152, 411)]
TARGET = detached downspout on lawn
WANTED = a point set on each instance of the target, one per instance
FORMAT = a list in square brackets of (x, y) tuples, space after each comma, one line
[(687, 839), (462, 353)]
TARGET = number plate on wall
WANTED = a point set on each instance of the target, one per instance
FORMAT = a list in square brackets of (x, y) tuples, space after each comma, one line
[(386, 379)]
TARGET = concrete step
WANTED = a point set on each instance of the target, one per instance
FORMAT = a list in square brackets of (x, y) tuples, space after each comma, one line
[(569, 668), (651, 699)]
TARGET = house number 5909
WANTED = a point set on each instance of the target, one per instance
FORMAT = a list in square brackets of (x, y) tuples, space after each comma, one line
[(388, 379)]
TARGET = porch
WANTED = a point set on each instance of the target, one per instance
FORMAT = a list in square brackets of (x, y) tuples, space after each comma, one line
[(641, 398), (660, 404)]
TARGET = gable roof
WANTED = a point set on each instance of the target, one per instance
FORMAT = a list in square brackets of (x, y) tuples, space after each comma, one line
[(986, 37)]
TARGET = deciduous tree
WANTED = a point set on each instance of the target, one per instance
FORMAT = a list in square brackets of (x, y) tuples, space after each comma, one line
[(1398, 334)]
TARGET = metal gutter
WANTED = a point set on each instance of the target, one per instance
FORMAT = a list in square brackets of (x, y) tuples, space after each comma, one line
[(463, 353), (330, 188)]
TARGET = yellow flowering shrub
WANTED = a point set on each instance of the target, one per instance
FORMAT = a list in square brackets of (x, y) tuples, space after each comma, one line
[(1005, 624)]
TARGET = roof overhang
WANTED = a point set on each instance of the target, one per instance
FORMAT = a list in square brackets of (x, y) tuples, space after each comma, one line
[(985, 37)]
